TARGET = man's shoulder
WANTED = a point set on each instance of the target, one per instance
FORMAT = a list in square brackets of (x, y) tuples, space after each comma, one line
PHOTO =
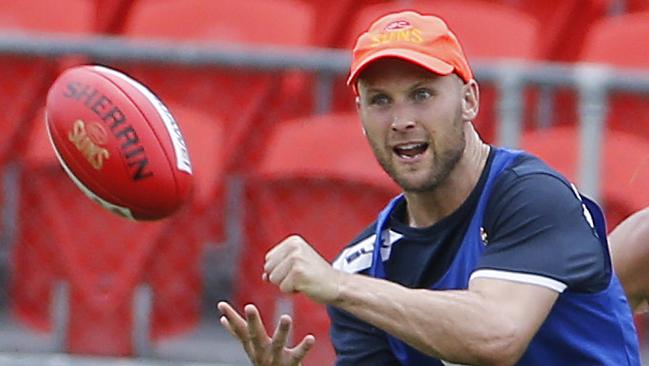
[(531, 188), (531, 169), (528, 163)]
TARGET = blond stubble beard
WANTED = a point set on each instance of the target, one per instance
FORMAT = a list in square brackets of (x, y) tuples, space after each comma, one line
[(441, 167)]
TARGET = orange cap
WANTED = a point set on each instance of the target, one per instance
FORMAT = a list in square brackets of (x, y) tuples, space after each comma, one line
[(424, 40)]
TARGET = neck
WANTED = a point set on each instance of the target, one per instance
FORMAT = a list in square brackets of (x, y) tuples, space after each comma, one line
[(427, 208)]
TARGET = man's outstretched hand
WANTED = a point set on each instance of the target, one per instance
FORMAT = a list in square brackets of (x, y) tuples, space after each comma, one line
[(262, 349)]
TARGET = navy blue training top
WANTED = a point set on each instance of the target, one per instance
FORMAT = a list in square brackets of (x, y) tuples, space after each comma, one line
[(535, 229)]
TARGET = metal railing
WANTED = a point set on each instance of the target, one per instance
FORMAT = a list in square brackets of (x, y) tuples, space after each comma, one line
[(593, 83)]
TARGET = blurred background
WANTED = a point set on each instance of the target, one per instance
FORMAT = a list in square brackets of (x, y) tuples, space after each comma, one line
[(257, 87)]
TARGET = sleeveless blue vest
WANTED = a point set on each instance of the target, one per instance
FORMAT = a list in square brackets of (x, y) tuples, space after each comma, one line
[(581, 329)]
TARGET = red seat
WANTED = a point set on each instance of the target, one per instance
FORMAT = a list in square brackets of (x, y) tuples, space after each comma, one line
[(63, 236), (486, 31), (320, 179), (70, 16), (636, 5), (333, 17), (26, 79), (565, 23), (624, 166), (110, 15), (621, 42)]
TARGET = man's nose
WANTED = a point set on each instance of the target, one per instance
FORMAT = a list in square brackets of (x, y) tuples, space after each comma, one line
[(402, 123)]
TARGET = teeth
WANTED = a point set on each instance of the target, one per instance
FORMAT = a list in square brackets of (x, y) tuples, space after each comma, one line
[(410, 150), (408, 146)]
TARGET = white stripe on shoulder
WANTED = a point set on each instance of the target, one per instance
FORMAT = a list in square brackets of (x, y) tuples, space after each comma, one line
[(446, 363), (532, 279), (358, 257)]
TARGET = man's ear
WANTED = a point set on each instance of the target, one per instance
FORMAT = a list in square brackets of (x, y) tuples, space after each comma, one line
[(470, 100), (358, 110)]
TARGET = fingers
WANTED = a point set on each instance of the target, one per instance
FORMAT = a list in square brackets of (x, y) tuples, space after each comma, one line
[(256, 342), (287, 284), (274, 257), (236, 324), (280, 251), (283, 244), (280, 337), (277, 274), (299, 351), (256, 331), (226, 324), (282, 260)]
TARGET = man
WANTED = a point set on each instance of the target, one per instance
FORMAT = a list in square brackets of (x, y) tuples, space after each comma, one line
[(630, 254), (489, 257)]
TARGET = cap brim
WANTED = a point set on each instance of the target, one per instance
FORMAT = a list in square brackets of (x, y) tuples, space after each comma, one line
[(433, 64)]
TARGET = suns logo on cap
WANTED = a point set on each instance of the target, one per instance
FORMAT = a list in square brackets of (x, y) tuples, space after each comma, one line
[(407, 35), (397, 24), (397, 31)]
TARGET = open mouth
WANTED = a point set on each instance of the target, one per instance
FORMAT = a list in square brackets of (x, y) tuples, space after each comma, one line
[(410, 150)]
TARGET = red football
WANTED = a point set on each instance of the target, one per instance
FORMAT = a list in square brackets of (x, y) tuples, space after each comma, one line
[(118, 143)]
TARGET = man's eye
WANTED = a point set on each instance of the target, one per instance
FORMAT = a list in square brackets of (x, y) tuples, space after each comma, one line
[(421, 94), (379, 99)]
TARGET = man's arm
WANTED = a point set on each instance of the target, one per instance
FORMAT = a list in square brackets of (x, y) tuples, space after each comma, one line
[(490, 323), (629, 243)]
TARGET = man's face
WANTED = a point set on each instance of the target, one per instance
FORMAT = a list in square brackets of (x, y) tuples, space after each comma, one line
[(413, 122)]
